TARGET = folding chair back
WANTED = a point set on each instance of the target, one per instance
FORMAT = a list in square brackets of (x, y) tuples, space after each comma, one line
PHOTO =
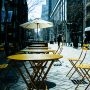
[(59, 50), (85, 53)]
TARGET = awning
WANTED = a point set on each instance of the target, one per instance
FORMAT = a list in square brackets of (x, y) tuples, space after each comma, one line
[(87, 29)]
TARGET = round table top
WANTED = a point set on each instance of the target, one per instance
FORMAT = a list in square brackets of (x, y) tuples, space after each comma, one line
[(36, 47), (38, 50), (35, 57)]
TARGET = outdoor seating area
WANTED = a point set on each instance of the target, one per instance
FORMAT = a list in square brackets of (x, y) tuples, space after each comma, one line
[(44, 44), (37, 66), (38, 59)]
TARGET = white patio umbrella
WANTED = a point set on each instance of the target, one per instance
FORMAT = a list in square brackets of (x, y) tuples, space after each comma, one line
[(37, 24)]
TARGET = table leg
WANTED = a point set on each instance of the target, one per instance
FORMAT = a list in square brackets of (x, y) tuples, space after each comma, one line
[(32, 81), (19, 70), (42, 71), (21, 73), (37, 69), (43, 79)]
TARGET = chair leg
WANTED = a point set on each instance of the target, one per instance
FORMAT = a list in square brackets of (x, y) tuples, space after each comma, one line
[(85, 75), (80, 81), (87, 86), (73, 64), (72, 67)]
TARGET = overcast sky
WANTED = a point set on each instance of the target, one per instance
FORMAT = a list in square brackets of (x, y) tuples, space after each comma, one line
[(36, 13)]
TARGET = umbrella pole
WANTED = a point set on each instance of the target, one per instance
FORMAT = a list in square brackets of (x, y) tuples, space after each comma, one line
[(37, 32)]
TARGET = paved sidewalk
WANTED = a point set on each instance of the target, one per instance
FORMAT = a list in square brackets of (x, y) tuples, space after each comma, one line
[(57, 74)]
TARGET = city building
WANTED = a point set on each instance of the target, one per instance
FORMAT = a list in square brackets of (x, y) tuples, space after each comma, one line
[(45, 33), (75, 21), (13, 13), (87, 19), (67, 16), (57, 14)]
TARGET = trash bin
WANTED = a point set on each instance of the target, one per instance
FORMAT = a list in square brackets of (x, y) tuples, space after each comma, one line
[(51, 42)]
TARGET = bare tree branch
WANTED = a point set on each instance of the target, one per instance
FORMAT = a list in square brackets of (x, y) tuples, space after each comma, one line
[(32, 4)]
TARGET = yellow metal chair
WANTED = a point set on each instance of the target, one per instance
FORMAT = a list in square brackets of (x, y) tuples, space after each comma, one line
[(2, 68), (86, 45), (59, 51), (6, 69), (79, 60), (84, 69)]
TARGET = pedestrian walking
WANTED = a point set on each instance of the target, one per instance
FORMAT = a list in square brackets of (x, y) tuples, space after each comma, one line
[(59, 39)]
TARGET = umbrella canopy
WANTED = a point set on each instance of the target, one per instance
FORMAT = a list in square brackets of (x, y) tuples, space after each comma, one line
[(37, 24)]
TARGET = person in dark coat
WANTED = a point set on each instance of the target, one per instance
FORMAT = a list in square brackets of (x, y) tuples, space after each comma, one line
[(59, 39)]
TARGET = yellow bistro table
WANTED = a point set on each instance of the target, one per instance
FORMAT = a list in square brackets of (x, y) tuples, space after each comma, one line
[(38, 62), (38, 50), (37, 47)]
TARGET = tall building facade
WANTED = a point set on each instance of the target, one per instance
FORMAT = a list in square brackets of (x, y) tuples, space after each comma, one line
[(75, 14), (13, 13), (57, 14), (67, 16), (45, 33), (87, 13), (87, 19)]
